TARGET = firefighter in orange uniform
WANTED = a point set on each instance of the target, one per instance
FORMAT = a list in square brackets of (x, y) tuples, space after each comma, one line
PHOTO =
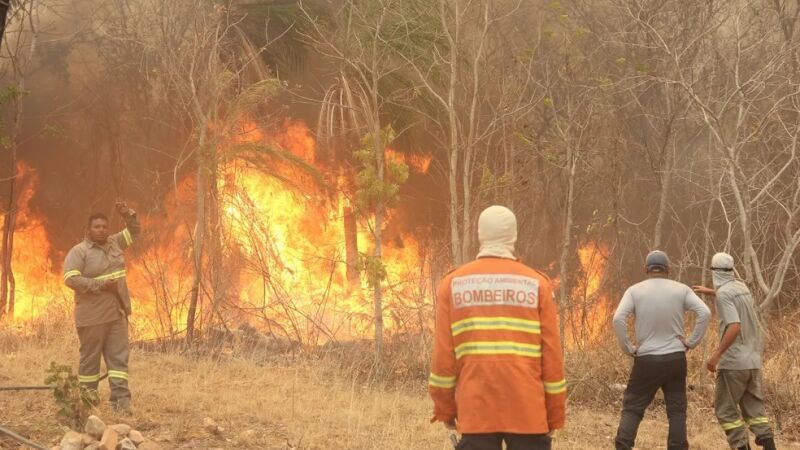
[(497, 372)]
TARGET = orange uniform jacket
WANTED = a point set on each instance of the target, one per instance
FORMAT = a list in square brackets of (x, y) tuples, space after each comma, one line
[(497, 364)]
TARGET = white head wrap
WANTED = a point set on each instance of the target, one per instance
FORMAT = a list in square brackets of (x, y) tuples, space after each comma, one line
[(497, 232), (722, 261)]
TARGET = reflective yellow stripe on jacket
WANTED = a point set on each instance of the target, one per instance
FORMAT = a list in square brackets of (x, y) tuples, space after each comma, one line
[(126, 234), (555, 387), (441, 381), (498, 348), (111, 276), (732, 425), (72, 273), (496, 323)]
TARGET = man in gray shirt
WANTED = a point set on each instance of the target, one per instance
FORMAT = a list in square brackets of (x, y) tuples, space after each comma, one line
[(737, 361), (658, 305)]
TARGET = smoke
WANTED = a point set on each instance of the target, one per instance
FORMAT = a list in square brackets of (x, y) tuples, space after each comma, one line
[(96, 129)]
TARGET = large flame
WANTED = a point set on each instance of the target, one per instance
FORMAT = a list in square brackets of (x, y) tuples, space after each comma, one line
[(589, 310), (277, 258), (38, 286)]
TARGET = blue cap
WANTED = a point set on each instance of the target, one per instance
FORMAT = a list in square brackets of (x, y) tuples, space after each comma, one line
[(657, 261)]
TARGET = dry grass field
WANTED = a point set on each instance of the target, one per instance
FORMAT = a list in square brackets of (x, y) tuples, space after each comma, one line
[(289, 403)]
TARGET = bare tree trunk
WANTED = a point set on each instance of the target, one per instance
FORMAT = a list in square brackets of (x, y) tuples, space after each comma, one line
[(7, 284), (378, 233), (466, 216), (218, 281), (452, 174), (377, 294), (663, 202), (19, 63), (469, 155), (567, 242), (5, 5), (780, 275), (351, 247), (199, 238), (706, 258)]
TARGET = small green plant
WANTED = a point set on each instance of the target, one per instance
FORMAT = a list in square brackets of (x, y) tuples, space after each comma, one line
[(374, 268), (73, 399)]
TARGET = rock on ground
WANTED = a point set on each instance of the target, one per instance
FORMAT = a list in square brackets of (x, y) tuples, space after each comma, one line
[(88, 440), (247, 435), (136, 437), (71, 441), (109, 440), (122, 429), (94, 427), (126, 444), (211, 426)]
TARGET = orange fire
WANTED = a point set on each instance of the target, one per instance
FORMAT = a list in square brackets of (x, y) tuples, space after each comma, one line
[(277, 258), (417, 163), (587, 315), (38, 286)]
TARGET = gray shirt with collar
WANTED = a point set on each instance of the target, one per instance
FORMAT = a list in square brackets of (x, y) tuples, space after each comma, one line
[(86, 268), (735, 305)]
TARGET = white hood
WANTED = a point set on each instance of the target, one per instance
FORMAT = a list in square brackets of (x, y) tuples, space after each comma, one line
[(720, 277), (497, 232)]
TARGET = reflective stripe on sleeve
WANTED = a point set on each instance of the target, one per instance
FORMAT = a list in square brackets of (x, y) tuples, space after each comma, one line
[(732, 425), (126, 234), (555, 387), (112, 276), (72, 273), (499, 348), (441, 381), (496, 323)]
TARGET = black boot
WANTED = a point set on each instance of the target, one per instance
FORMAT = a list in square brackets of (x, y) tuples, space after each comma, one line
[(767, 443), (744, 447)]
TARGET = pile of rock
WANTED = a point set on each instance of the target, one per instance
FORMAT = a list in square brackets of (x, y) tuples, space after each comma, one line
[(99, 436)]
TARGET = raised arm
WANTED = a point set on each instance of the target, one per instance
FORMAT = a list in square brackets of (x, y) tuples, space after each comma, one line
[(132, 229)]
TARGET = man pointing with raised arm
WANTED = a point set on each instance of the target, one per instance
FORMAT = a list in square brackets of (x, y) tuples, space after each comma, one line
[(658, 305), (737, 360), (95, 270)]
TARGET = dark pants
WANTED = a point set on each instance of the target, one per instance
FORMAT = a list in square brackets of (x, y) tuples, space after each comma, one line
[(494, 441), (651, 373)]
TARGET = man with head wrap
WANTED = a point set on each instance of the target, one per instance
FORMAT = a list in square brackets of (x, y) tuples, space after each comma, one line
[(497, 373), (737, 360)]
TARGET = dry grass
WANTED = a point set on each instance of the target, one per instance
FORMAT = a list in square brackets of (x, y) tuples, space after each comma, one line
[(294, 403)]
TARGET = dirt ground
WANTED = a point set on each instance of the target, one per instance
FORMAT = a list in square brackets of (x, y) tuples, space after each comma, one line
[(288, 404)]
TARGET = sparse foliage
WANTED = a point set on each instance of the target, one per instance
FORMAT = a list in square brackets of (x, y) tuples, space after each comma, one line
[(73, 399)]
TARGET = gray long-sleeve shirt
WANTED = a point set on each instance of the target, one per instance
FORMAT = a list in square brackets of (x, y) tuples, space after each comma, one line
[(658, 306)]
